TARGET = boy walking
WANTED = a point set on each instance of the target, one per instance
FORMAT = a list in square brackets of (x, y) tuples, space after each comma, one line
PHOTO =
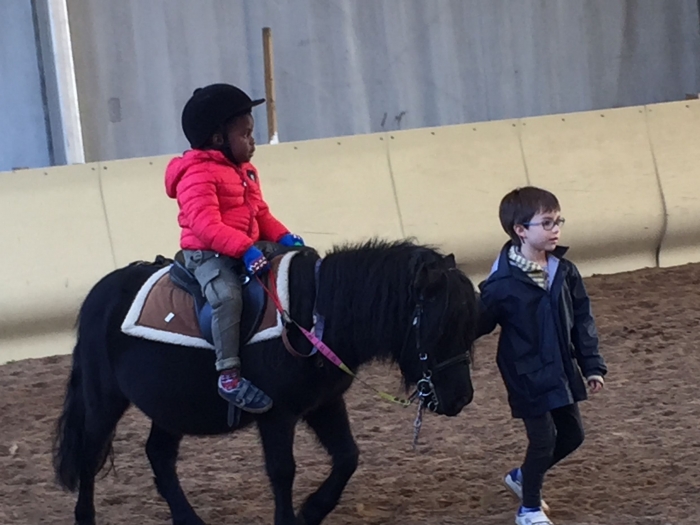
[(548, 346)]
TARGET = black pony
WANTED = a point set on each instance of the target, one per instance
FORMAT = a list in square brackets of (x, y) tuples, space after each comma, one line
[(389, 301)]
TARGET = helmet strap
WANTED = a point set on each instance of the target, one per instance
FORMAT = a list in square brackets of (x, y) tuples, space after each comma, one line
[(225, 146), (226, 150)]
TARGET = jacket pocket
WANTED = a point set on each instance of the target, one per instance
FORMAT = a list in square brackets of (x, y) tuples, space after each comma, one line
[(528, 364), (207, 272), (538, 377)]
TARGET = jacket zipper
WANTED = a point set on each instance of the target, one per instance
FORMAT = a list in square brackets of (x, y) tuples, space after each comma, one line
[(250, 207)]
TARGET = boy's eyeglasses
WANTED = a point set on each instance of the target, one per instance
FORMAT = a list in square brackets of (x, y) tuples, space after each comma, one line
[(547, 224)]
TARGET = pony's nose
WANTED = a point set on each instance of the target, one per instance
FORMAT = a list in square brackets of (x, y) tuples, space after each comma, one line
[(458, 404), (466, 399), (469, 397)]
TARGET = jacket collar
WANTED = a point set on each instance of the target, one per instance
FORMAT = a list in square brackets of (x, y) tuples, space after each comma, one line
[(213, 155), (502, 268)]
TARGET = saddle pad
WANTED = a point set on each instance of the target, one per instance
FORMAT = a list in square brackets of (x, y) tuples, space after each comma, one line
[(161, 311)]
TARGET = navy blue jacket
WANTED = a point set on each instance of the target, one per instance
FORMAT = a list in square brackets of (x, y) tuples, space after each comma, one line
[(548, 337)]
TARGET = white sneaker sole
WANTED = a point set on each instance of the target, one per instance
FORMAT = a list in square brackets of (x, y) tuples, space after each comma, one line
[(539, 518)]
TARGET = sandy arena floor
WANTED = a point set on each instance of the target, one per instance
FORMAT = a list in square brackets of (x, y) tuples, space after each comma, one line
[(640, 463)]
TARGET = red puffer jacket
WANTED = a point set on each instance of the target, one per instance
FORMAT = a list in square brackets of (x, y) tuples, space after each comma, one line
[(221, 206)]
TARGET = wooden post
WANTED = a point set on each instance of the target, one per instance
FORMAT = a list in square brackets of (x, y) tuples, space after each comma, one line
[(272, 136)]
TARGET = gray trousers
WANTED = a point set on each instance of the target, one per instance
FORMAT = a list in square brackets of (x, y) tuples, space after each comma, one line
[(222, 288)]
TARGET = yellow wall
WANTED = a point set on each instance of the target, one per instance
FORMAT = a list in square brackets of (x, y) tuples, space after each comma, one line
[(55, 246), (626, 179), (600, 166), (673, 131)]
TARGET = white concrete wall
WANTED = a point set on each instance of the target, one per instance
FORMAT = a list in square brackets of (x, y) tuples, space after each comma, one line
[(628, 181)]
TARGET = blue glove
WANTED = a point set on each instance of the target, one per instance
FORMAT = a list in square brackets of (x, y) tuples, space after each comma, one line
[(255, 261), (289, 239)]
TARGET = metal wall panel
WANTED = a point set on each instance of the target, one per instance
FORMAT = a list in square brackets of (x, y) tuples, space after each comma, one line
[(23, 125), (351, 66)]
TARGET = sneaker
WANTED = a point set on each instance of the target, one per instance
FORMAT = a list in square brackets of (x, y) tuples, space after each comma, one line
[(242, 393), (532, 517), (514, 483)]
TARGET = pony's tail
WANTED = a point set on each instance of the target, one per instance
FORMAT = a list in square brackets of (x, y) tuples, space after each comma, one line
[(75, 452), (70, 429), (93, 402)]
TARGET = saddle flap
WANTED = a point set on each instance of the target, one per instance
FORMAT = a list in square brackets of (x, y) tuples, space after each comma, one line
[(254, 301), (183, 278)]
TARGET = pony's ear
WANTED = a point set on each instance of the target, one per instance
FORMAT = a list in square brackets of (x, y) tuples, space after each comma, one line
[(450, 260), (428, 280)]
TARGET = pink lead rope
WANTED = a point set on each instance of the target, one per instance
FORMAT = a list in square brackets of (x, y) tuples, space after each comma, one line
[(320, 345)]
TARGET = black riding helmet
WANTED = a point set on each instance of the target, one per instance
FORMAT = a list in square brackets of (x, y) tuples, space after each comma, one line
[(211, 107)]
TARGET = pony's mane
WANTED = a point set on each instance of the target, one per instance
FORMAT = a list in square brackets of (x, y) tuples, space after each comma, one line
[(366, 291), (379, 263), (383, 245)]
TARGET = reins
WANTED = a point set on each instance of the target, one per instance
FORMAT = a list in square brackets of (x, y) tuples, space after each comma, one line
[(322, 347), (425, 389)]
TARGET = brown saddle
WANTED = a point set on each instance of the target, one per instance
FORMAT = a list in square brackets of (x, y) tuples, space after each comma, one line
[(171, 308)]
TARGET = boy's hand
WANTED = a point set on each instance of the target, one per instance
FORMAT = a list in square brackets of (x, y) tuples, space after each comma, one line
[(595, 383)]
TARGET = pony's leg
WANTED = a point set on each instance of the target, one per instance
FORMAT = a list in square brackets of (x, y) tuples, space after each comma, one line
[(278, 442), (162, 448), (99, 430), (332, 427)]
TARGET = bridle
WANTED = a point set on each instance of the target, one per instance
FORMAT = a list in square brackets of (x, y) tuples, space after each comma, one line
[(425, 389)]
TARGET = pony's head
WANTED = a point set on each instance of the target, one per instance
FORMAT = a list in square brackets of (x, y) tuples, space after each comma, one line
[(437, 352), (407, 303)]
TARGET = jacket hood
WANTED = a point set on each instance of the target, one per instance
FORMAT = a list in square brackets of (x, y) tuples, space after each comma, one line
[(178, 166)]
